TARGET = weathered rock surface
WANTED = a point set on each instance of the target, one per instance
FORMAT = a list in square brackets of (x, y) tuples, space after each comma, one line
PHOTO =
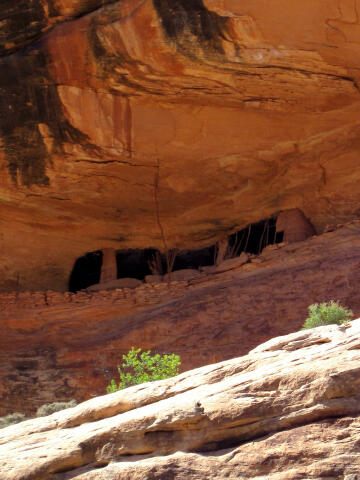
[(294, 226), (55, 347), (200, 116), (290, 409), (119, 283)]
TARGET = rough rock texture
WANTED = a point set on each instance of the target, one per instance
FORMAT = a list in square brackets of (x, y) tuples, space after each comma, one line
[(290, 409), (294, 226), (114, 284), (123, 119), (56, 347)]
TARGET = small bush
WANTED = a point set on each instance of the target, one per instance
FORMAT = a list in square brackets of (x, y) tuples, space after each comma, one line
[(144, 367), (50, 408), (11, 419), (327, 314)]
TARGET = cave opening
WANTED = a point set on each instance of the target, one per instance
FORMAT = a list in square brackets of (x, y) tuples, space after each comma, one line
[(86, 271)]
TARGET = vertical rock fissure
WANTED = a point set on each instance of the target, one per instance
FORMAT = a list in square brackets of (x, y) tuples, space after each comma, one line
[(158, 221)]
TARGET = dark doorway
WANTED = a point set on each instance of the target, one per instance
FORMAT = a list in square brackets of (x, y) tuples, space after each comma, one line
[(86, 271)]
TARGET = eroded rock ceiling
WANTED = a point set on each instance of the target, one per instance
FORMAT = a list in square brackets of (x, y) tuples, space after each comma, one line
[(201, 116)]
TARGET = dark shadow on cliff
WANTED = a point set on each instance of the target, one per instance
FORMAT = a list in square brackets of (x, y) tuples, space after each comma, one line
[(192, 27), (30, 109)]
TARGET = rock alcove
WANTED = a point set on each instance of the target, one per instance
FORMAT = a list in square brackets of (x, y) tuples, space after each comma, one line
[(127, 268), (207, 115)]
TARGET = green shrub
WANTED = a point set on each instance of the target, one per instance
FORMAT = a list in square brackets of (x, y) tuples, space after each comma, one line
[(50, 408), (144, 367), (42, 411), (11, 419), (327, 314)]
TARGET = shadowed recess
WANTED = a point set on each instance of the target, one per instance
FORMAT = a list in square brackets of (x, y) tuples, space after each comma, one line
[(86, 271), (134, 263)]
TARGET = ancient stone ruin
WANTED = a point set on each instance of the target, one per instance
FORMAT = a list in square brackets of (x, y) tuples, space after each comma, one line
[(128, 269), (180, 176)]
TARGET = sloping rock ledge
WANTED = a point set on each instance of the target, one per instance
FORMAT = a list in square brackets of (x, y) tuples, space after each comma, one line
[(288, 410)]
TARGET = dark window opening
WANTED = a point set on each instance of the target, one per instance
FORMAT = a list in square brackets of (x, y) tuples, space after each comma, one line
[(86, 271)]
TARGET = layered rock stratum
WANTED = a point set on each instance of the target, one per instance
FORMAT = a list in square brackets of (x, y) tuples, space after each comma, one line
[(55, 347), (288, 410), (120, 120)]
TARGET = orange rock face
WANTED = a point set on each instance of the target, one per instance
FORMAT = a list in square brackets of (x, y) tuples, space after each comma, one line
[(207, 115), (58, 346)]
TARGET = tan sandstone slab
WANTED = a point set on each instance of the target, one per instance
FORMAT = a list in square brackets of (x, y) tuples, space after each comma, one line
[(219, 421)]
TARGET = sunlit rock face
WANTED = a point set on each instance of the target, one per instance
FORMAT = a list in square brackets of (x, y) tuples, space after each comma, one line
[(288, 410), (163, 123)]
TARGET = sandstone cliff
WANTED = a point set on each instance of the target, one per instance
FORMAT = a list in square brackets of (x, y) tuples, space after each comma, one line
[(56, 347), (288, 410), (205, 114)]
